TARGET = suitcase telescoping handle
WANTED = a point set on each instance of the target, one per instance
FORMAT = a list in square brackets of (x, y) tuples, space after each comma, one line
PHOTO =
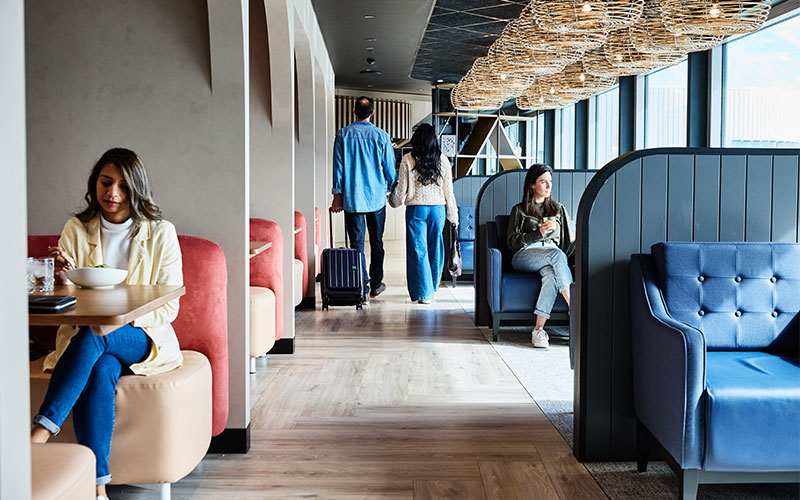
[(330, 227)]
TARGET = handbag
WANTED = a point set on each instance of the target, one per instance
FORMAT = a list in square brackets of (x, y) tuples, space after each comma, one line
[(454, 262)]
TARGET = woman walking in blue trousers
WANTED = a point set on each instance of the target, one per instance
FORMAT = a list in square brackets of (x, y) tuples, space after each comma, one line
[(425, 185), (540, 234)]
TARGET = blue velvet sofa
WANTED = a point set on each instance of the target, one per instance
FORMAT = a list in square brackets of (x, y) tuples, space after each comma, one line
[(511, 295), (716, 360)]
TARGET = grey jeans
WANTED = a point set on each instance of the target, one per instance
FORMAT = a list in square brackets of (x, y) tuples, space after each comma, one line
[(549, 261)]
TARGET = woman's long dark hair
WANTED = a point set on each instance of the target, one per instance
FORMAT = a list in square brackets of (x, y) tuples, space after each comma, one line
[(427, 155), (528, 206), (141, 201)]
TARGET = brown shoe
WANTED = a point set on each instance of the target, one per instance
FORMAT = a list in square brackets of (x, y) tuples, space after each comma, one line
[(377, 291)]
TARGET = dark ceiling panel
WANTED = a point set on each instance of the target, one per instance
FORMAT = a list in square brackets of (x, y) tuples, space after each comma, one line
[(459, 32)]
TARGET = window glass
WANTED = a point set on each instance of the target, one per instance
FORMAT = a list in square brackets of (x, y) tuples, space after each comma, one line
[(565, 140), (606, 144), (665, 107), (761, 79)]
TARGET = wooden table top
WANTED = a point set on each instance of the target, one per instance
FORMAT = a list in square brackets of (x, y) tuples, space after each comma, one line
[(256, 247), (115, 306)]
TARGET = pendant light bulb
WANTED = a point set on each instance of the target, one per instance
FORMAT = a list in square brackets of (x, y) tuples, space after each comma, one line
[(586, 7), (714, 11)]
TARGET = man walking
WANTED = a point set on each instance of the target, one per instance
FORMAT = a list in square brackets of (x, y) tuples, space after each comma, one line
[(363, 173)]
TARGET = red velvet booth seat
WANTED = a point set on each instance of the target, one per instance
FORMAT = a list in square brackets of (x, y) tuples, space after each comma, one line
[(301, 247), (202, 323), (266, 268)]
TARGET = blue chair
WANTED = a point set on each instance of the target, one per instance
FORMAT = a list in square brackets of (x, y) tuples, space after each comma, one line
[(511, 295), (716, 360), (466, 240)]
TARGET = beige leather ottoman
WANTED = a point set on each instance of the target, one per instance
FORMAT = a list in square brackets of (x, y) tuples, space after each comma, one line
[(162, 425), (61, 471), (262, 322), (299, 269)]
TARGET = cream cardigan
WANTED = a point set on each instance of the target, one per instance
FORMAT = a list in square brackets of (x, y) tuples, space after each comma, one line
[(155, 258), (412, 192)]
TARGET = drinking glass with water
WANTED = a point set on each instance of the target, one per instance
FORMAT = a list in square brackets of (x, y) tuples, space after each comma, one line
[(40, 274)]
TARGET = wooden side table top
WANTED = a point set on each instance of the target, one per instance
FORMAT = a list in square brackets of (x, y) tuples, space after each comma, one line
[(114, 306), (256, 247)]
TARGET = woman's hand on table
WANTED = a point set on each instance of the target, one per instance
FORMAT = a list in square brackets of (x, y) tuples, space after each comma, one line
[(61, 264)]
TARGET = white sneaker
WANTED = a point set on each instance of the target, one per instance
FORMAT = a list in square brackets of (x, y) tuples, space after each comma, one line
[(540, 339)]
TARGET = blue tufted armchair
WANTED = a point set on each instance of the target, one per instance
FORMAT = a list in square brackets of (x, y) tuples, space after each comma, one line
[(716, 360), (511, 295)]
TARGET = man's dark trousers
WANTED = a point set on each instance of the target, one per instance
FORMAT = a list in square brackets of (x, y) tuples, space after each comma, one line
[(354, 223)]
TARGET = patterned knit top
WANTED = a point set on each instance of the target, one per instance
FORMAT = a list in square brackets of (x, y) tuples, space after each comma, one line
[(412, 192)]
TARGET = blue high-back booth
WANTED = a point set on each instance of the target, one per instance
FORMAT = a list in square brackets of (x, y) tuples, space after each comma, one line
[(500, 293), (466, 190), (640, 199)]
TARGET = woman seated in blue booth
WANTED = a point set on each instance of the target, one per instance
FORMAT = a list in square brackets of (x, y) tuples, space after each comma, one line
[(542, 239)]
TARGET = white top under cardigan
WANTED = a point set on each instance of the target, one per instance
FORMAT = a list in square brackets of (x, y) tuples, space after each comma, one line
[(116, 242), (412, 192)]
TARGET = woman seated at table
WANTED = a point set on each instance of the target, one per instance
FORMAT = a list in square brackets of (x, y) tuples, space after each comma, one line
[(540, 234), (121, 228)]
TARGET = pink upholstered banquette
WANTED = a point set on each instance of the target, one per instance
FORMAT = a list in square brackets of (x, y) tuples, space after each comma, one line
[(266, 268), (301, 247)]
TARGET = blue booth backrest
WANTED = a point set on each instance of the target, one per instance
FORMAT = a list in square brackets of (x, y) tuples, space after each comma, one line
[(466, 223), (742, 296), (501, 227)]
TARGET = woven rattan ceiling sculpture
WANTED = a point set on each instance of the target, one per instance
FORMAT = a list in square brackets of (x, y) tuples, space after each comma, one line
[(557, 52)]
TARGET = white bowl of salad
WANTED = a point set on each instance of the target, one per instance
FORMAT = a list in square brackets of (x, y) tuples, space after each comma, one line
[(100, 276)]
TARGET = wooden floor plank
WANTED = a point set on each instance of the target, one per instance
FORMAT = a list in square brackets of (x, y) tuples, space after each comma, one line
[(516, 481), (443, 490)]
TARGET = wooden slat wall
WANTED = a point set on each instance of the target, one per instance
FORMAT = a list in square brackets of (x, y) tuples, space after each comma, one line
[(499, 195), (393, 116), (636, 201)]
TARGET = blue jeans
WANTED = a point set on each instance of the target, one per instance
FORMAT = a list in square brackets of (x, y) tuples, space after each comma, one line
[(354, 224), (85, 381), (549, 261), (424, 249)]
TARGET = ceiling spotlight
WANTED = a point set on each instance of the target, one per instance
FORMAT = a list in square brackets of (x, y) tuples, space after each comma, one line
[(369, 49), (369, 85), (439, 80), (371, 61), (370, 40), (369, 16)]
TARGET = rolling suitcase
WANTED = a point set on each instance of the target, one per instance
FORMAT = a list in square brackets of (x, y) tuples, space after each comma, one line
[(342, 275)]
